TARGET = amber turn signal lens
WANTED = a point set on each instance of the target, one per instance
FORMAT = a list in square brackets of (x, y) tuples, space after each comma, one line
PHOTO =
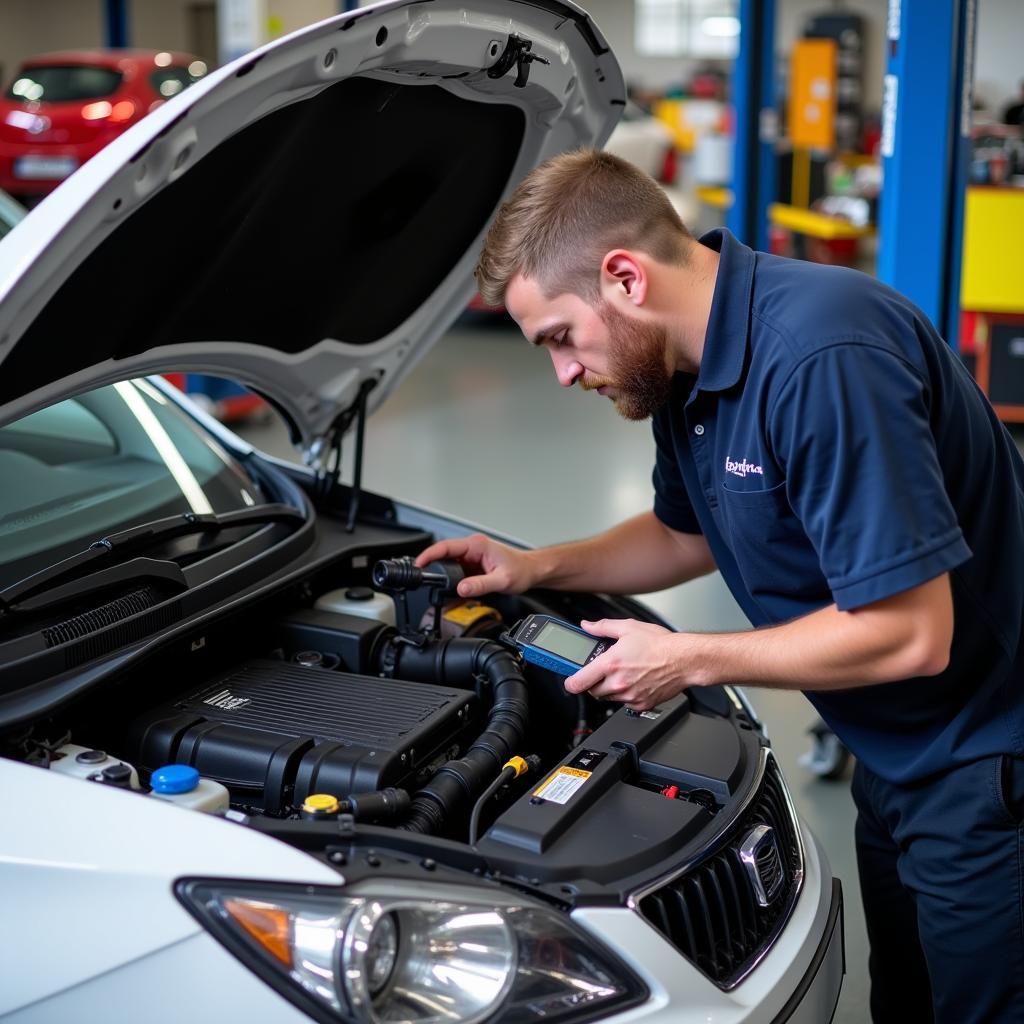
[(268, 925)]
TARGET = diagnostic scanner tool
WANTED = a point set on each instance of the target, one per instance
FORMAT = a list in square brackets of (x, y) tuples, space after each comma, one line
[(555, 645)]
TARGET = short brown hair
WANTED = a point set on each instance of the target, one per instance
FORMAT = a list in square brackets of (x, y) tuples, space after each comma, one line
[(566, 215)]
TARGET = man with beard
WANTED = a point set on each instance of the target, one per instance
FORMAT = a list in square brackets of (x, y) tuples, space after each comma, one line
[(819, 444)]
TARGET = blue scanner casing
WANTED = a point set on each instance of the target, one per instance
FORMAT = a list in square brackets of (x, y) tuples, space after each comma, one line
[(570, 641)]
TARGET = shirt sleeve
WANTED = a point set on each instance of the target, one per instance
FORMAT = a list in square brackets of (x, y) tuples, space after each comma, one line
[(850, 429), (672, 504)]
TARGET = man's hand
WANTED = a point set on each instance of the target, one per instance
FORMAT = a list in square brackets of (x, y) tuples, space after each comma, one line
[(641, 669), (492, 568)]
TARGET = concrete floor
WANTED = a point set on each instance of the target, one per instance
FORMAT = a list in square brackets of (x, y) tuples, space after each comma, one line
[(454, 436)]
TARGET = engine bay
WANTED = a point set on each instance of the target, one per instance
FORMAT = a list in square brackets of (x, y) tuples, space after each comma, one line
[(376, 699)]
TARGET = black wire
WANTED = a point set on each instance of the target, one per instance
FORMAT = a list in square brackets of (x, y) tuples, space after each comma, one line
[(507, 775)]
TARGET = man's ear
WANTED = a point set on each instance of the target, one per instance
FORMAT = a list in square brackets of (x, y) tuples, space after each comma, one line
[(624, 277)]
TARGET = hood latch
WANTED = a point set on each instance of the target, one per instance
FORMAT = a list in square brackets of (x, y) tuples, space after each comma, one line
[(517, 51)]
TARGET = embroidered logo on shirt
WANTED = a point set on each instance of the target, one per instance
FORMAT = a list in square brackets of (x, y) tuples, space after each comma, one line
[(742, 468)]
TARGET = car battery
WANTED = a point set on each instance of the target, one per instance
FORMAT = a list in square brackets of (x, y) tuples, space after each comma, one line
[(659, 775), (274, 732)]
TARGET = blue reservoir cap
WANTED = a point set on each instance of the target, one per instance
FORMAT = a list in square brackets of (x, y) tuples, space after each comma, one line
[(174, 778)]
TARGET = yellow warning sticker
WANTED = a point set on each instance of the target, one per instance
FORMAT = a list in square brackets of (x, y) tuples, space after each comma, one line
[(467, 614), (560, 787)]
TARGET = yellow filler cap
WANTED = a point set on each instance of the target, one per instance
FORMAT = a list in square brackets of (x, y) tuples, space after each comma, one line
[(321, 803)]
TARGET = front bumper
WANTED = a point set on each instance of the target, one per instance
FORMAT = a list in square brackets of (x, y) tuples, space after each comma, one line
[(818, 992), (197, 979), (74, 154)]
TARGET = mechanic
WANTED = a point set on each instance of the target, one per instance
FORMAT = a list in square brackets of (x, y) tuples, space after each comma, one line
[(819, 444)]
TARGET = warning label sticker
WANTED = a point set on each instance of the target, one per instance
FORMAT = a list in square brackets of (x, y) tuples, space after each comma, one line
[(560, 787), (567, 779)]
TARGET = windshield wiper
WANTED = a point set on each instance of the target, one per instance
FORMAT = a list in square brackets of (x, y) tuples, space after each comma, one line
[(98, 556)]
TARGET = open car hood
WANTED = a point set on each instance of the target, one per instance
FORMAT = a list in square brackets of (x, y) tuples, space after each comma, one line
[(306, 219)]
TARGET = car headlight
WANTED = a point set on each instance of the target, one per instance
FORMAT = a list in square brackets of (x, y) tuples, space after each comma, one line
[(389, 954)]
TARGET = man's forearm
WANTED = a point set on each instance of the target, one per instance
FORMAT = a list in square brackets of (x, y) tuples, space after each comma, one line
[(902, 637), (636, 557)]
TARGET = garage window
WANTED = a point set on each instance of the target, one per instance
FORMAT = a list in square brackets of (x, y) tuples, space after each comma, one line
[(686, 28)]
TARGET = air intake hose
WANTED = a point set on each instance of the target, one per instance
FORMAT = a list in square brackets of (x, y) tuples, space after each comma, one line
[(458, 783)]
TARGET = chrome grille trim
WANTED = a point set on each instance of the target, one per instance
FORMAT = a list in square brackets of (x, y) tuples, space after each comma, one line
[(759, 854), (706, 905)]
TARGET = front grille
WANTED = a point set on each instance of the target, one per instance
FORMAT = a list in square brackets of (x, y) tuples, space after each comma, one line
[(712, 914)]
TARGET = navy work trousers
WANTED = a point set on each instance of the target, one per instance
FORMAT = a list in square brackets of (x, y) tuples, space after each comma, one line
[(941, 866)]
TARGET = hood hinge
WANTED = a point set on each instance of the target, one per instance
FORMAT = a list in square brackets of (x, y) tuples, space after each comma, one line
[(324, 455)]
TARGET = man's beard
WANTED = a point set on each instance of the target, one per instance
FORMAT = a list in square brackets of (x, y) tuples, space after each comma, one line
[(637, 358)]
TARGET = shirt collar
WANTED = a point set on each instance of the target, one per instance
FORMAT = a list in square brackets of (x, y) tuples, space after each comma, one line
[(725, 343)]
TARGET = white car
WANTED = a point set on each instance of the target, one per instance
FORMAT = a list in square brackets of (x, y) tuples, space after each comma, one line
[(253, 761)]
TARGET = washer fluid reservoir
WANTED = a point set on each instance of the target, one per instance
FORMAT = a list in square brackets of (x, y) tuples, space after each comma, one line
[(361, 601), (182, 785), (86, 763)]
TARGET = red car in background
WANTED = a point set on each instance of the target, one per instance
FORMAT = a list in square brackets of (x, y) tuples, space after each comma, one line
[(62, 108)]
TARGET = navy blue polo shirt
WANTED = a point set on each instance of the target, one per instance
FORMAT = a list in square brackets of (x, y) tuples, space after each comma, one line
[(833, 449)]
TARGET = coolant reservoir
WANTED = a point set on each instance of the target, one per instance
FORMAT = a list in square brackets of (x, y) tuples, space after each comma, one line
[(361, 601), (86, 763), (182, 785)]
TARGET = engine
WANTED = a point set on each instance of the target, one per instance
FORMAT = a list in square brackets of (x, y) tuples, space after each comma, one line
[(402, 706), (276, 732)]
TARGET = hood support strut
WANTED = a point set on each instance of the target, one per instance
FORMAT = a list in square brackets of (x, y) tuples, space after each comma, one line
[(357, 470), (325, 454)]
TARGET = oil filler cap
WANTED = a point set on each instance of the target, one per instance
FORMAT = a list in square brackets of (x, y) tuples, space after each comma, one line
[(174, 778), (320, 807)]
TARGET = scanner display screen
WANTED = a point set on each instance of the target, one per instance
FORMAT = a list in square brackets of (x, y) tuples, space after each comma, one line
[(565, 642)]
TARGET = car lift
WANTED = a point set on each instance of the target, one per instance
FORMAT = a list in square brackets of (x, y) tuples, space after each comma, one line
[(753, 90), (926, 125), (926, 120)]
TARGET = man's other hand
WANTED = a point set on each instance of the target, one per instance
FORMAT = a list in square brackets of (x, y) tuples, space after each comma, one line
[(640, 669), (491, 568)]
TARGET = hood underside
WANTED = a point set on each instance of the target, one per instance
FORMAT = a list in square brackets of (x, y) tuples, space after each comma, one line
[(306, 219)]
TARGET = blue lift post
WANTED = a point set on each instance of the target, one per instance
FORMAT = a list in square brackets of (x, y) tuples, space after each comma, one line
[(115, 16), (753, 94), (961, 166), (925, 140)]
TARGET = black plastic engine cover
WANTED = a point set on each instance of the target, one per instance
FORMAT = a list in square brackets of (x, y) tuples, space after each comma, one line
[(274, 732)]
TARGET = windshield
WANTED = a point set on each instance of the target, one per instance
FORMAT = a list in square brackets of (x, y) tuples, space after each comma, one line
[(63, 83), (169, 82), (10, 213), (93, 465)]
